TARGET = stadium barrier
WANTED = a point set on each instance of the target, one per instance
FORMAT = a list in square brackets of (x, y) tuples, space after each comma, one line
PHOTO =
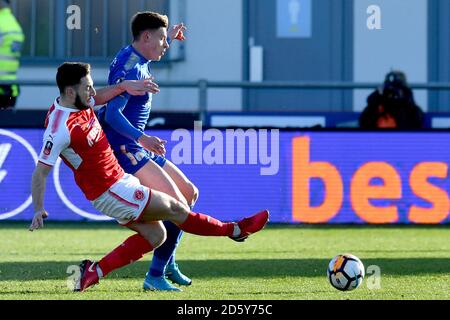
[(204, 85), (179, 119), (300, 176)]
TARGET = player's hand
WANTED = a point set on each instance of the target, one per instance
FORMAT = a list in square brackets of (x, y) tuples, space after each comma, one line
[(38, 220), (140, 87), (153, 144), (177, 32)]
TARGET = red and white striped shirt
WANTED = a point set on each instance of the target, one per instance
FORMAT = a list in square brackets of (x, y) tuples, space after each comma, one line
[(77, 137)]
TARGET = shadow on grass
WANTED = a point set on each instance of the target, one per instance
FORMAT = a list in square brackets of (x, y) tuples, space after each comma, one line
[(266, 268)]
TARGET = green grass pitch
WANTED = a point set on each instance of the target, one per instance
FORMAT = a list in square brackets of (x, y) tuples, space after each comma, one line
[(281, 262)]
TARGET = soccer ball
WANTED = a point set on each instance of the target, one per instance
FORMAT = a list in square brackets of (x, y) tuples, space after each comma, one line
[(345, 272)]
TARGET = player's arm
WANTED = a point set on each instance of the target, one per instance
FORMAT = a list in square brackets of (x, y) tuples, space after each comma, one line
[(116, 120), (114, 116), (38, 184), (54, 143), (132, 87)]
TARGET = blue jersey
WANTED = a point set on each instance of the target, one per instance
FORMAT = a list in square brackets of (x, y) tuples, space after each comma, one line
[(128, 65), (125, 117)]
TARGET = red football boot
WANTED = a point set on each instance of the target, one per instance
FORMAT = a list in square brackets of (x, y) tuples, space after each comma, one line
[(251, 225), (88, 275)]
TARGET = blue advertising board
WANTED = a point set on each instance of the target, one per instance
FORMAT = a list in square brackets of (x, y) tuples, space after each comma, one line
[(301, 177)]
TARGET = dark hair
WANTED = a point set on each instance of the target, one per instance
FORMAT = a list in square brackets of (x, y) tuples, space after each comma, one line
[(143, 21), (70, 74)]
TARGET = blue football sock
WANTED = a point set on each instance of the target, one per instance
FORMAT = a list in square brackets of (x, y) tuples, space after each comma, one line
[(165, 253), (172, 257)]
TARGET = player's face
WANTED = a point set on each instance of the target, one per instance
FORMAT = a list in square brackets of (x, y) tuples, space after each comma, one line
[(157, 44), (84, 93)]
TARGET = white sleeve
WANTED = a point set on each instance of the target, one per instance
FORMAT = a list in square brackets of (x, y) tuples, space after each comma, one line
[(53, 145)]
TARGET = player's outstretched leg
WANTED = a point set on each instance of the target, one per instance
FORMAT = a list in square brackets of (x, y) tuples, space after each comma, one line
[(164, 207), (150, 235)]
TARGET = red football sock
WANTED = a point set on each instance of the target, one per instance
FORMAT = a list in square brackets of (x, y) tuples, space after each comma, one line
[(204, 225), (129, 251)]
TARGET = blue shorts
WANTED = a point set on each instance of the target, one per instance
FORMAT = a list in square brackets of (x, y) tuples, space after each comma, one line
[(139, 158)]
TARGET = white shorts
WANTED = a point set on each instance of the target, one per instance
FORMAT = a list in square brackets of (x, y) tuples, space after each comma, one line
[(125, 201)]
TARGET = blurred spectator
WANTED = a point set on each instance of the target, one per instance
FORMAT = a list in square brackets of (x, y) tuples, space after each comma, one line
[(392, 106), (11, 40)]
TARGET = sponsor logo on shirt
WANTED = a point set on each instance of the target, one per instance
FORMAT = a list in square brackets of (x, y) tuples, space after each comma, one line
[(93, 135)]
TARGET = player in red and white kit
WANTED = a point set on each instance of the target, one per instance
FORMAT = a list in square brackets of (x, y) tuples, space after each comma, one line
[(74, 134)]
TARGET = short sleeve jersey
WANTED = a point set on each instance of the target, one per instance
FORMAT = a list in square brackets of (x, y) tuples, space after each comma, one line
[(77, 137)]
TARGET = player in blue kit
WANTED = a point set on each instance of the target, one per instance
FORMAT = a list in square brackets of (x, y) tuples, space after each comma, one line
[(124, 121)]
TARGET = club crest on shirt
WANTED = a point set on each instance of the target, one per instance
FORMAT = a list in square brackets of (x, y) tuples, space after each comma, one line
[(139, 195)]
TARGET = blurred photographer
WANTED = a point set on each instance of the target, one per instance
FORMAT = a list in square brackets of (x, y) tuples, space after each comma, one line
[(392, 106)]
